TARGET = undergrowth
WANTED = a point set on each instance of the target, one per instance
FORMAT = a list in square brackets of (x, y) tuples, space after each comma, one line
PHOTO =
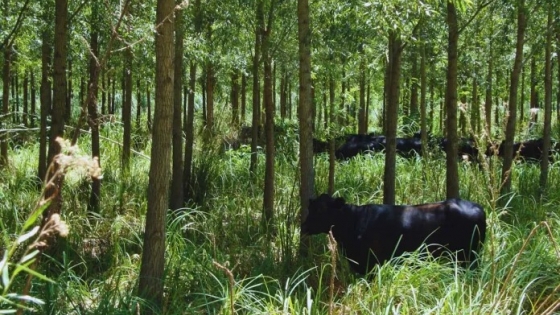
[(219, 260)]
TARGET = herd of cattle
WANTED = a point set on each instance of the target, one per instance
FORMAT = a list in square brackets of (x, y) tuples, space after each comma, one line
[(355, 144)]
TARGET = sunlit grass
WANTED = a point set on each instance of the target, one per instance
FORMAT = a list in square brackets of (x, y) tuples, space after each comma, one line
[(517, 274)]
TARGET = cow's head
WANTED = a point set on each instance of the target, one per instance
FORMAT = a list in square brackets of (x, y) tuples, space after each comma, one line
[(324, 212)]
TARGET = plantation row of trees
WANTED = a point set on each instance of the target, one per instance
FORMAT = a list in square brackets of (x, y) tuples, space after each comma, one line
[(458, 68)]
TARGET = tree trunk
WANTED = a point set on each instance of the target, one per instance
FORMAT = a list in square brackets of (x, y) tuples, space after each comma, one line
[(59, 77), (45, 95), (177, 182), (69, 93), (138, 103), (283, 94), (268, 198), (5, 105), (210, 81), (93, 120), (414, 89), (235, 98), (452, 174), (522, 100), (362, 122), (33, 100), (389, 182), (256, 88), (423, 88), (243, 97), (512, 117), (547, 103), (534, 97), (153, 257), (127, 110), (189, 132), (488, 96), (475, 109), (104, 92), (26, 99), (332, 144), (307, 176)]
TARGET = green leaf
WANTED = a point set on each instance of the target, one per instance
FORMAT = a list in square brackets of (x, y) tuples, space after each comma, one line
[(35, 215), (34, 273), (27, 235), (29, 256), (31, 299), (7, 311), (5, 276)]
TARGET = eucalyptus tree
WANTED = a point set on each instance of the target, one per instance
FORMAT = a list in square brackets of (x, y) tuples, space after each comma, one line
[(398, 29), (59, 76), (45, 88), (153, 256), (177, 181), (547, 97), (512, 110), (307, 174), (13, 21)]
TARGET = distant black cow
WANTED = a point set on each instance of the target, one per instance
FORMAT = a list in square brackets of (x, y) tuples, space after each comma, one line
[(530, 150), (372, 234), (358, 144)]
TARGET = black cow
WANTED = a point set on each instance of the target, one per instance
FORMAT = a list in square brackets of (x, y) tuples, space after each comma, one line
[(530, 150), (358, 144), (372, 234)]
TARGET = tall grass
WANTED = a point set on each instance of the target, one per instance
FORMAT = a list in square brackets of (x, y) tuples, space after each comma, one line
[(518, 272)]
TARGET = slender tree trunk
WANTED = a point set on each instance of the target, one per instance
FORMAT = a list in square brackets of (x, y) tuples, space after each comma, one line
[(33, 116), (5, 105), (149, 107), (210, 80), (127, 111), (45, 91), (138, 103), (488, 96), (522, 100), (189, 132), (104, 92), (59, 78), (69, 93), (362, 123), (332, 144), (534, 97), (307, 176), (475, 109), (423, 87), (256, 88), (26, 99), (452, 174), (283, 94), (153, 257), (243, 98), (389, 179), (93, 119), (547, 102), (113, 83), (235, 97), (268, 198), (177, 182), (512, 117), (414, 88)]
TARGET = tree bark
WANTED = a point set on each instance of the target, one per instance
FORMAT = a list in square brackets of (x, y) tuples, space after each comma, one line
[(332, 144), (153, 256), (256, 87), (127, 111), (26, 99), (59, 77), (362, 121), (93, 120), (45, 95), (5, 105), (547, 103), (452, 174), (423, 88), (177, 182), (488, 96), (235, 98), (307, 176), (33, 101), (389, 182), (268, 198), (189, 132), (512, 117), (243, 98)]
